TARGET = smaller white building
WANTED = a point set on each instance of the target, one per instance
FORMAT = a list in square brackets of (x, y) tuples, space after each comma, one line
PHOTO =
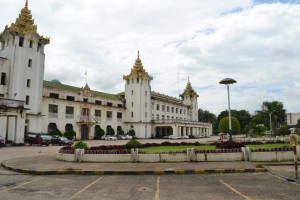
[(292, 119)]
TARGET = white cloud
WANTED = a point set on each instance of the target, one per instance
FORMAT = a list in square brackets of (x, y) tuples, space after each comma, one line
[(208, 40)]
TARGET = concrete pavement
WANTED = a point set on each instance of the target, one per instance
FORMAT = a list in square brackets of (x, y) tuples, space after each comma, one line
[(47, 164)]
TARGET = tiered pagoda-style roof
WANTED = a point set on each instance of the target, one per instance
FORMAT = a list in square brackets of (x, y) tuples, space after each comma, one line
[(24, 25)]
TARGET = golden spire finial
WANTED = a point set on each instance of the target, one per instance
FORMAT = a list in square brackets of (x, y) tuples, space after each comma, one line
[(26, 3), (188, 78), (138, 54)]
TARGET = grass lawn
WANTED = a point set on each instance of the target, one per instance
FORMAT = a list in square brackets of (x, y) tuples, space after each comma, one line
[(158, 149)]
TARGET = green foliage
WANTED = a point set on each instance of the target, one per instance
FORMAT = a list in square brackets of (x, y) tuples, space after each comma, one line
[(99, 133), (55, 132), (70, 134), (133, 144), (121, 132), (206, 116), (224, 125), (132, 133), (277, 111), (243, 117), (258, 131), (283, 131), (110, 131), (80, 145)]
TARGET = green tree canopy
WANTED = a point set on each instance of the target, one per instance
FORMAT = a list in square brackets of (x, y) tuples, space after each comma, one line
[(243, 117), (224, 125)]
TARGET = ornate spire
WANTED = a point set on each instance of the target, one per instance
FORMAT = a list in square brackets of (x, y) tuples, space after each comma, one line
[(189, 89), (138, 70), (24, 24)]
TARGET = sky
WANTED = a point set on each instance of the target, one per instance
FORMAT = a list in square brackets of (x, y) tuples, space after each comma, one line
[(255, 42)]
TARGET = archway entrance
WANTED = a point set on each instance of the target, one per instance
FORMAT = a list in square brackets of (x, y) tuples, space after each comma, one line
[(84, 132)]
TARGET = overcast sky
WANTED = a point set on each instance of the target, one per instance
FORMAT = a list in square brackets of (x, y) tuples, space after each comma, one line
[(255, 42)]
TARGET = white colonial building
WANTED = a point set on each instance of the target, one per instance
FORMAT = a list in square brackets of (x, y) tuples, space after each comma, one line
[(28, 103)]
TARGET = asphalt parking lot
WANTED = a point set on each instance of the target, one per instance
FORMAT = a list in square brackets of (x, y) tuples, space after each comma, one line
[(158, 187)]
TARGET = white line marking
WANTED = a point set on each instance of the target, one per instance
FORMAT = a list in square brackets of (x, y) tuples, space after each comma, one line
[(83, 189), (157, 189), (25, 183), (235, 191)]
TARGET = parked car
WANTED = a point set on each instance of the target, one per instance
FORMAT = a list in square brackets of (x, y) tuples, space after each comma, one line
[(2, 141), (184, 137), (109, 137), (39, 139), (167, 137), (58, 140), (124, 137)]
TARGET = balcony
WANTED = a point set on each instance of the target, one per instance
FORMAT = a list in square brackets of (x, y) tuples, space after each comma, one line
[(52, 115), (182, 121), (69, 116), (10, 103)]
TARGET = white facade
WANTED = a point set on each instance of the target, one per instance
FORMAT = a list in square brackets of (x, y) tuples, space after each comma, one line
[(30, 104), (292, 119)]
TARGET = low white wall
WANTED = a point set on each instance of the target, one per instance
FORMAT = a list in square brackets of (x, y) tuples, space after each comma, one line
[(66, 157), (238, 156), (149, 158), (272, 156), (106, 158)]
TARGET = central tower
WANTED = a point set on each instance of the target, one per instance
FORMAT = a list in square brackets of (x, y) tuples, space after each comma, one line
[(138, 100)]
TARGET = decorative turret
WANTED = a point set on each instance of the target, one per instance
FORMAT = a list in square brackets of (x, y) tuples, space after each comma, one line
[(138, 70), (189, 97), (189, 91), (24, 25)]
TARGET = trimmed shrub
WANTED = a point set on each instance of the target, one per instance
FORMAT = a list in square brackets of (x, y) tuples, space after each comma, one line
[(70, 134), (99, 134), (110, 131), (133, 144), (229, 145), (224, 125), (55, 132), (132, 133), (80, 145)]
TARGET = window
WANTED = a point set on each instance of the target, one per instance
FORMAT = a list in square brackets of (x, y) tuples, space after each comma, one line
[(109, 115), (70, 98), (145, 105), (183, 111), (97, 113), (131, 114), (2, 45), (30, 44), (39, 47), (163, 117), (53, 108), (127, 82), (109, 104), (176, 110), (131, 92), (1, 95), (168, 108), (120, 105), (172, 109), (21, 41), (54, 95), (131, 104), (146, 115), (69, 112), (3, 78), (28, 83), (30, 63), (27, 100), (119, 115), (163, 107), (98, 102), (85, 100), (137, 80), (157, 106), (180, 111)]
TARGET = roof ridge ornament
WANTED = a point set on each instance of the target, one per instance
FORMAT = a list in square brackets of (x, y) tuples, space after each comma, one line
[(26, 3)]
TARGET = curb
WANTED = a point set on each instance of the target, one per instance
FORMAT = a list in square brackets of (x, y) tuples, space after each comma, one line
[(147, 172)]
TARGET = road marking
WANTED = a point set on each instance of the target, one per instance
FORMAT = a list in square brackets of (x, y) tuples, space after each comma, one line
[(281, 178), (234, 190), (83, 189), (25, 183), (157, 189)]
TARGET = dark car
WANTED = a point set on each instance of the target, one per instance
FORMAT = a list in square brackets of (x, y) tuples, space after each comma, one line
[(2, 142), (58, 140), (39, 139)]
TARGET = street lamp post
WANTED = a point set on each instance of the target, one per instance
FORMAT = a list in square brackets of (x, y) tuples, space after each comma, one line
[(227, 82), (271, 123)]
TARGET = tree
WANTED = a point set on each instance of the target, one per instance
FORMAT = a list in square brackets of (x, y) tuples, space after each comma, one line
[(132, 133), (276, 110), (70, 134), (284, 130), (243, 117), (55, 132), (224, 125), (206, 116), (99, 134), (110, 131)]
